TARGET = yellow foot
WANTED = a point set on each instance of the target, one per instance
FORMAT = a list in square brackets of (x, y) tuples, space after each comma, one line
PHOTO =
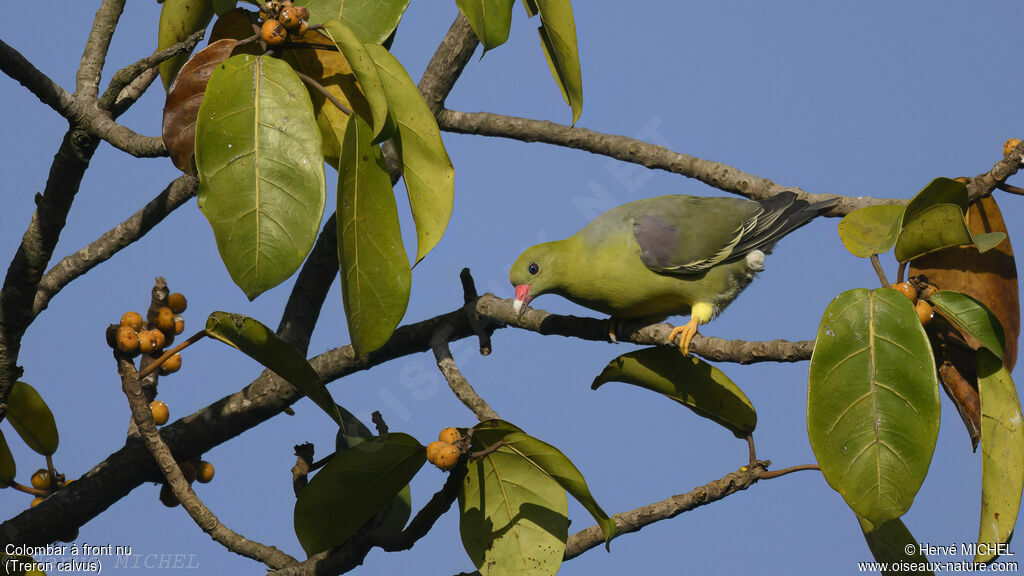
[(686, 334), (614, 325)]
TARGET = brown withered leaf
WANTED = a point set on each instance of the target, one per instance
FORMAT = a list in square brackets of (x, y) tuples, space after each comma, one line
[(990, 278), (332, 71), (184, 98), (237, 24)]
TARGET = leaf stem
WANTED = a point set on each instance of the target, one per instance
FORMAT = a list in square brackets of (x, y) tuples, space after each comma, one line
[(751, 450), (28, 489), (879, 271), (1010, 188), (319, 87), (51, 471), (163, 357), (767, 475), (490, 449), (901, 272)]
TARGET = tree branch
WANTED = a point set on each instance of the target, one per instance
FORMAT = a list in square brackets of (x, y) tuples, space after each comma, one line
[(113, 241), (983, 184), (125, 76), (715, 174), (204, 518), (447, 64), (460, 386), (87, 80), (20, 69)]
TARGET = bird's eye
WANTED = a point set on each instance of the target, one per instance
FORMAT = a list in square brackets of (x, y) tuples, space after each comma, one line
[(533, 268)]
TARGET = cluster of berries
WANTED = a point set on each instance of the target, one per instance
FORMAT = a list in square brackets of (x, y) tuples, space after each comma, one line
[(918, 290), (132, 336), (280, 19), (444, 453), (193, 470)]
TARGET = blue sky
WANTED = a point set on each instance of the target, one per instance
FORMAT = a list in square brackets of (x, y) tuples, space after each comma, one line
[(868, 98)]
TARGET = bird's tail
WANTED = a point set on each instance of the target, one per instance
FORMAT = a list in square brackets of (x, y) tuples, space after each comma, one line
[(782, 214)]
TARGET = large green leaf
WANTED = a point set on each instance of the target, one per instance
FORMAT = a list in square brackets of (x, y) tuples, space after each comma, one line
[(371, 20), (426, 168), (562, 470), (935, 228), (365, 71), (375, 274), (690, 381), (179, 19), (971, 318), (490, 19), (8, 469), (938, 191), (558, 40), (514, 516), (871, 230), (1002, 455), (32, 419), (352, 487), (889, 544), (263, 345), (261, 171), (873, 402)]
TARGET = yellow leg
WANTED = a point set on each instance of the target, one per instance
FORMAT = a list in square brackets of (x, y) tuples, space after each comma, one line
[(700, 313), (614, 325)]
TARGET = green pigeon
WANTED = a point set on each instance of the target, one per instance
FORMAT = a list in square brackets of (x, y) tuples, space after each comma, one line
[(664, 256)]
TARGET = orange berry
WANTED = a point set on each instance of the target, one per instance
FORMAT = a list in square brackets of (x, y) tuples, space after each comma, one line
[(133, 319), (177, 302), (449, 435), (907, 289), (188, 470), (127, 340), (164, 320), (924, 311), (159, 340), (171, 365), (273, 33), (205, 472), (303, 12), (179, 324), (36, 501), (167, 497), (447, 457), (432, 450), (290, 18), (160, 412), (147, 343), (41, 479), (1009, 146)]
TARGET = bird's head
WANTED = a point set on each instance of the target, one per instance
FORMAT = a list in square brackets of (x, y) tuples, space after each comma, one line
[(534, 273)]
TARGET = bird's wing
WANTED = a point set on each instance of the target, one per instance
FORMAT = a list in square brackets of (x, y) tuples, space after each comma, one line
[(688, 235)]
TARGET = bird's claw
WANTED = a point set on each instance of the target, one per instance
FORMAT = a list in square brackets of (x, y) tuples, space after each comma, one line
[(685, 334), (614, 325)]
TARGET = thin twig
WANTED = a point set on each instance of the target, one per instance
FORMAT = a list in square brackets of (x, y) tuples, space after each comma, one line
[(769, 474), (901, 272), (460, 386), (751, 451), (1010, 188), (94, 55), (486, 451), (28, 489), (320, 88), (125, 76), (879, 271)]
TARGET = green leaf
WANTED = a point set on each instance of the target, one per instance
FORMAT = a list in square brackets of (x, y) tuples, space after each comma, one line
[(32, 419), (375, 274), (179, 19), (514, 516), (223, 6), (987, 241), (264, 346), (531, 8), (873, 402), (365, 71), (871, 230), (426, 168), (558, 39), (261, 171), (352, 487), (490, 19), (371, 20), (690, 381), (889, 544), (938, 191), (1002, 455), (935, 228), (8, 469), (562, 470), (971, 318)]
